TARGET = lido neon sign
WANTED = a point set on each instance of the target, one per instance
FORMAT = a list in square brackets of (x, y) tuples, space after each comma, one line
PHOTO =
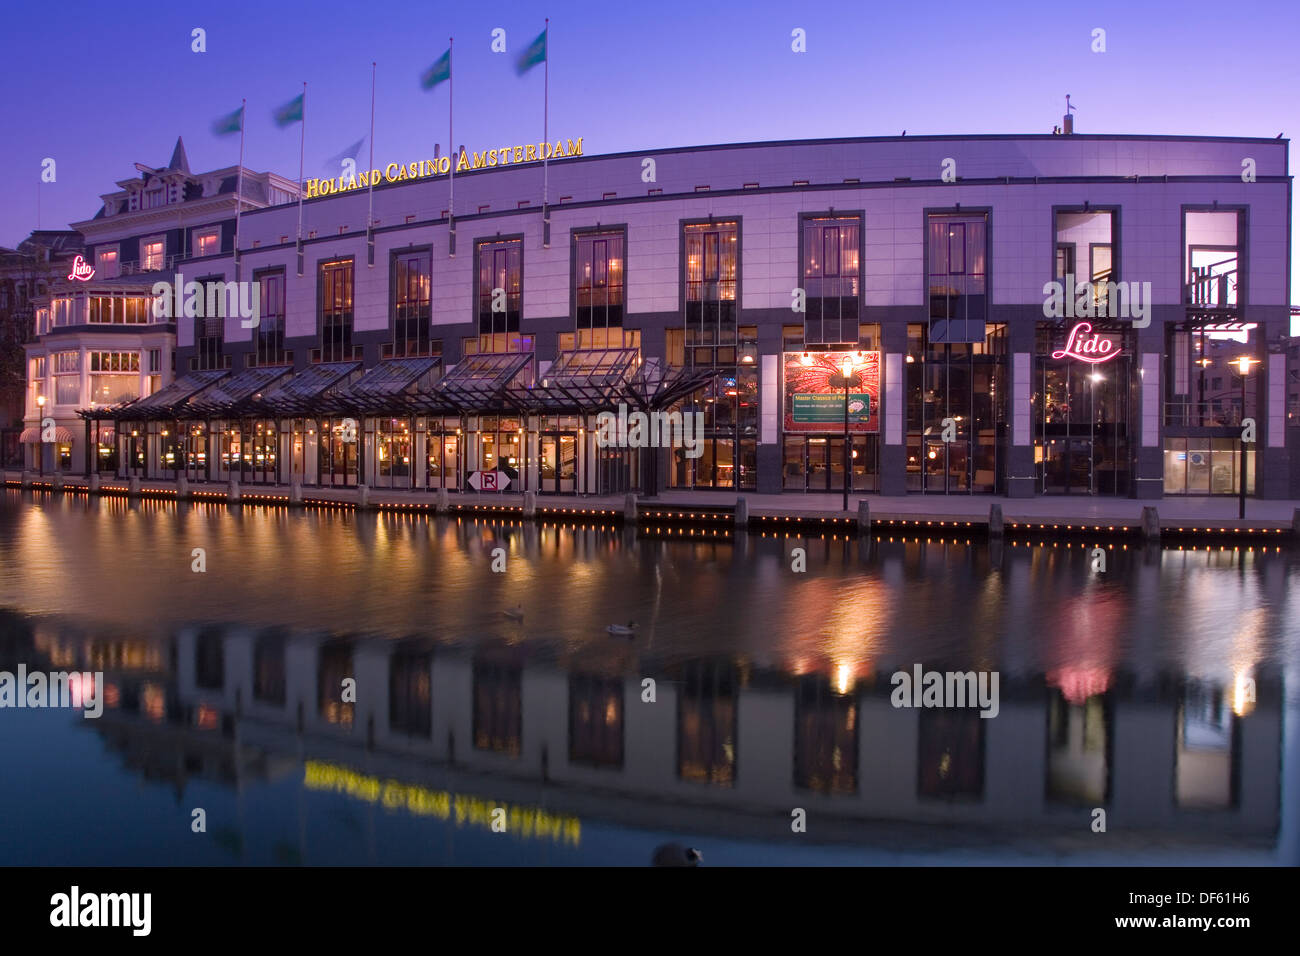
[(81, 269), (1087, 346), (426, 168)]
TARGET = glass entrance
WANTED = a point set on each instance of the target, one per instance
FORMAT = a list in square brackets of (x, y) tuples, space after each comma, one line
[(1068, 466), (817, 464), (558, 465), (946, 466)]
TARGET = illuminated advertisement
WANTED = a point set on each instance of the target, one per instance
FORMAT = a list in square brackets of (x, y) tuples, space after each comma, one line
[(813, 404)]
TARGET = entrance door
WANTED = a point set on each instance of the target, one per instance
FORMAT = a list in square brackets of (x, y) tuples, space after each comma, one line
[(444, 461), (558, 466), (946, 467), (1068, 466)]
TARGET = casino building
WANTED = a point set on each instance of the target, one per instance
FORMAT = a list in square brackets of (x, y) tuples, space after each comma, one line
[(424, 335)]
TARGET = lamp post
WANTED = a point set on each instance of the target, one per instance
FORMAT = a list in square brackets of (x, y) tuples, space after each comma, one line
[(846, 380), (1243, 369), (40, 424)]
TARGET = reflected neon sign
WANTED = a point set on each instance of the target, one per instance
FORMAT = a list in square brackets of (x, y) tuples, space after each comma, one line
[(1087, 346)]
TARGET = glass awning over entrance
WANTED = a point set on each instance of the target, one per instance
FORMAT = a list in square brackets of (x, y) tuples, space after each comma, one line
[(487, 381), (392, 387), (232, 395), (580, 380), (304, 393), (162, 405)]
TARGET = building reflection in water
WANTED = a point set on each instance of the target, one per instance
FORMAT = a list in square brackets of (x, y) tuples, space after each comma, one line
[(1194, 761)]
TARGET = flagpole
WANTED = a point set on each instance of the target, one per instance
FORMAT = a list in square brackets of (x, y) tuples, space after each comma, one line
[(452, 153), (302, 149), (239, 188), (546, 129), (370, 212)]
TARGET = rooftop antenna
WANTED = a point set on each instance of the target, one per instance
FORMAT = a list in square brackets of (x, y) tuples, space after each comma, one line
[(1067, 121)]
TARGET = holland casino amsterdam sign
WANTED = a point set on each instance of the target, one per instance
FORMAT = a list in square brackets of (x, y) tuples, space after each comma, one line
[(428, 168)]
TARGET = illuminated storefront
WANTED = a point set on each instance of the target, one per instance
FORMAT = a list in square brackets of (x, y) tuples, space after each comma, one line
[(1083, 402)]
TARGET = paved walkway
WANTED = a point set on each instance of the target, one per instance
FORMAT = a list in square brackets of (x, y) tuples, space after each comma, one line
[(1174, 511)]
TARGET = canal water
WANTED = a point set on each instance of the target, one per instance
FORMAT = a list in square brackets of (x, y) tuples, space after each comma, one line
[(331, 687)]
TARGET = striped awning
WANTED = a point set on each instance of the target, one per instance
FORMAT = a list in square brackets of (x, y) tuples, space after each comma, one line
[(33, 435)]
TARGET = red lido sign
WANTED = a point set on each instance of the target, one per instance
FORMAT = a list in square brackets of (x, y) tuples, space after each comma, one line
[(1087, 346), (81, 269)]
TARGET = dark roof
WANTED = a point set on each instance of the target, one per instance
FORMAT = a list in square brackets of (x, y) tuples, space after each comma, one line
[(179, 160)]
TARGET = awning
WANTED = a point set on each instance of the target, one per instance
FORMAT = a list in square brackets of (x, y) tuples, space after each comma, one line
[(580, 380), (32, 436), (392, 386), (107, 434), (479, 382), (302, 393), (163, 404), (229, 395)]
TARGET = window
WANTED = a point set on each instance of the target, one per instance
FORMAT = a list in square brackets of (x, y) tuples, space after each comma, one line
[(409, 693), (151, 255), (61, 311), (106, 266), (121, 310), (155, 197), (42, 321), (500, 291), (956, 261), (412, 314), (114, 377), (595, 720), (831, 280), (209, 338), (207, 243), (710, 265), (269, 345), (598, 280), (336, 311), (155, 360), (498, 707), (67, 378)]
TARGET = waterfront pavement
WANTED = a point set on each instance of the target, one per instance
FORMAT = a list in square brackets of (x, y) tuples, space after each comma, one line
[(1174, 512)]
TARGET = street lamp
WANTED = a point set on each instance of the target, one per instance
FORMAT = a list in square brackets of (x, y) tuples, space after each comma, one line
[(40, 424), (1243, 369), (846, 380)]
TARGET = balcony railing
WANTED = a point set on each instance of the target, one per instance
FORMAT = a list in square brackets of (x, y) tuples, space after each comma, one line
[(1202, 415), (135, 267), (1213, 286)]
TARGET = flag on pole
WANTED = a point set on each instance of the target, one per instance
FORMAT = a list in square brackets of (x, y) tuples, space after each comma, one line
[(233, 123), (536, 53), (290, 112), (438, 73)]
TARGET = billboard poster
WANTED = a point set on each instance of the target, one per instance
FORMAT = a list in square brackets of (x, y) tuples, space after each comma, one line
[(812, 405)]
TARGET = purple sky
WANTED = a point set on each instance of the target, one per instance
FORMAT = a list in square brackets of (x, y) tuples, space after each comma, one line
[(100, 87)]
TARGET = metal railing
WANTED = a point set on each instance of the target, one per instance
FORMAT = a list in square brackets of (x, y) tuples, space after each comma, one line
[(1202, 415)]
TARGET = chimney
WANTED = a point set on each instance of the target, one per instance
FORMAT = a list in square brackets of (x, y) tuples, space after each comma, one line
[(1068, 122)]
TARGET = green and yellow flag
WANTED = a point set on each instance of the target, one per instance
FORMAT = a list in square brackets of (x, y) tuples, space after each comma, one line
[(536, 53), (290, 112), (439, 72), (233, 123)]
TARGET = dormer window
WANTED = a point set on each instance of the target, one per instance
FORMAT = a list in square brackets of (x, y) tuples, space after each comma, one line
[(155, 197)]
